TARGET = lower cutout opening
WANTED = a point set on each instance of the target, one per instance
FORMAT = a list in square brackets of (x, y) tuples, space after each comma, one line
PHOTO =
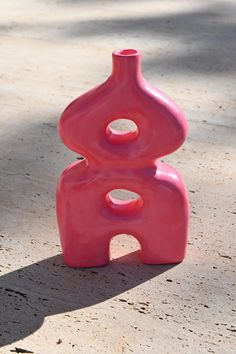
[(125, 246)]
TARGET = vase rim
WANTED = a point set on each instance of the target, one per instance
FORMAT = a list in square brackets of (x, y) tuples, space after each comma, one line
[(127, 52)]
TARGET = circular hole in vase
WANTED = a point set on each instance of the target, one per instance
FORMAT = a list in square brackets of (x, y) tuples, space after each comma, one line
[(123, 201), (121, 131)]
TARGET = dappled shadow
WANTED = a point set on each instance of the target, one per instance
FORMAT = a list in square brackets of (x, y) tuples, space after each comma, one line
[(204, 38), (45, 288), (32, 157)]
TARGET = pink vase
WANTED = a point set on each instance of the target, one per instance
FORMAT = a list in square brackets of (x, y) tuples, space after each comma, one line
[(88, 216)]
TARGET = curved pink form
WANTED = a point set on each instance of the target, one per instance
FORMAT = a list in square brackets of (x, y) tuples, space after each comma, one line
[(88, 217)]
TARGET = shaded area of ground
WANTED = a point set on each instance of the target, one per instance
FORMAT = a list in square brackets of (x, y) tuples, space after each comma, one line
[(49, 287)]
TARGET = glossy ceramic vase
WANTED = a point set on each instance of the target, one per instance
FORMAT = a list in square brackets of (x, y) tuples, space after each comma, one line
[(88, 216)]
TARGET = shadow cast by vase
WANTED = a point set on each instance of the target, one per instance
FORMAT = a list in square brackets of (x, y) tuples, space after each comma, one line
[(49, 287)]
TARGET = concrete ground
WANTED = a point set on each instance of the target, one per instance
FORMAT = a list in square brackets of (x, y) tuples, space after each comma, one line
[(51, 52)]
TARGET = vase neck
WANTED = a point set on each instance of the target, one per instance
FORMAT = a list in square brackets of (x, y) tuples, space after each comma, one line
[(126, 64)]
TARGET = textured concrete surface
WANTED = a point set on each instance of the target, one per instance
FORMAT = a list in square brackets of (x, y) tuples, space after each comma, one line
[(52, 51)]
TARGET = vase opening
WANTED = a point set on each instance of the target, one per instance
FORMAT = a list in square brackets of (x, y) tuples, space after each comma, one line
[(126, 52)]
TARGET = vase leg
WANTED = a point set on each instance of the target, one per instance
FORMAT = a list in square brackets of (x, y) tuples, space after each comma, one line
[(158, 256), (92, 253), (165, 244)]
